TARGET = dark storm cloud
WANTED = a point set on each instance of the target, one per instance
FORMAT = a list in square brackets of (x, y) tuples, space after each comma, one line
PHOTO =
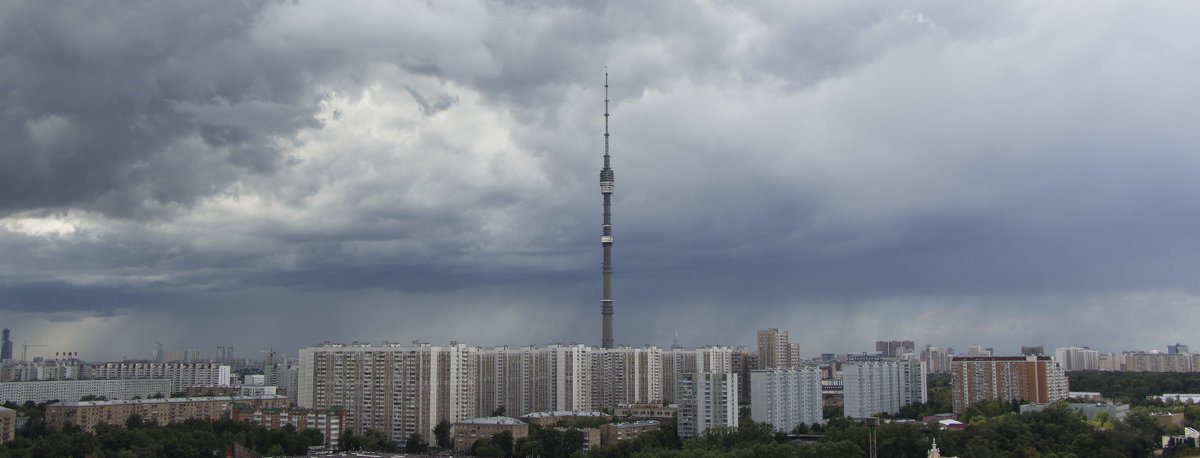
[(100, 103), (859, 162)]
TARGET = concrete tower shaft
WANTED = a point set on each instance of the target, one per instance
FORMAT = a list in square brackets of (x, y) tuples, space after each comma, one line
[(606, 239)]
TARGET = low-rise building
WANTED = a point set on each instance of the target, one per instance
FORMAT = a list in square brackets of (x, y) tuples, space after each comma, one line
[(328, 421), (8, 424), (87, 414), (617, 432), (466, 432)]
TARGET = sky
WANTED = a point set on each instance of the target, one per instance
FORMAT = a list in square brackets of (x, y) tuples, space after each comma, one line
[(276, 174)]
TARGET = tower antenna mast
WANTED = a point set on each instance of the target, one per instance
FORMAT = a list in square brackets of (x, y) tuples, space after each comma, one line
[(606, 240)]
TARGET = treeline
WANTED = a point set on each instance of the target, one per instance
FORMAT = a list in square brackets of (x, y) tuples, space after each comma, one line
[(1054, 431), (137, 438), (1134, 387)]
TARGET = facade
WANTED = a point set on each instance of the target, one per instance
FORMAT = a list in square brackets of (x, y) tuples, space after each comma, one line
[(1032, 378), (786, 398), (706, 401), (72, 390), (742, 362), (626, 375), (616, 432), (1137, 361), (466, 432), (1177, 348), (678, 361), (88, 414), (874, 386), (937, 360), (647, 411), (1032, 350), (181, 374), (392, 388), (773, 349), (328, 422), (8, 421), (1077, 358), (535, 379), (285, 376)]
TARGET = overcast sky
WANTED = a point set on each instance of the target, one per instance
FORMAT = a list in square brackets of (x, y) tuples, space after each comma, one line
[(274, 174)]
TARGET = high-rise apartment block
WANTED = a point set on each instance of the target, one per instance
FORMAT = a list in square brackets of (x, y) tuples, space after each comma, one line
[(1032, 378), (1077, 358), (1173, 349), (706, 401), (181, 375), (718, 360), (742, 361), (395, 389), (1032, 350), (774, 349), (871, 386), (786, 398)]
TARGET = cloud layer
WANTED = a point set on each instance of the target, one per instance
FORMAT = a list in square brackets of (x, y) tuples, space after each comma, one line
[(283, 173)]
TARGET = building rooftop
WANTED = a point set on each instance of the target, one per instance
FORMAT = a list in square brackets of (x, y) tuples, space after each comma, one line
[(564, 413), (492, 421), (635, 424), (118, 402)]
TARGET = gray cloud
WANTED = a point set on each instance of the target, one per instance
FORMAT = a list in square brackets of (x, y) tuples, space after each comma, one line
[(821, 166)]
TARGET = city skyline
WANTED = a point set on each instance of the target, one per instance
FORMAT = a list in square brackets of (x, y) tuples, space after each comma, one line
[(274, 175)]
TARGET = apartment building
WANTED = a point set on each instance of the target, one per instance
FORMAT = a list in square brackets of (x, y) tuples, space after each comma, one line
[(466, 432), (8, 424), (88, 414), (392, 388), (1032, 378), (785, 397), (706, 401), (182, 375), (872, 385), (73, 390), (328, 421)]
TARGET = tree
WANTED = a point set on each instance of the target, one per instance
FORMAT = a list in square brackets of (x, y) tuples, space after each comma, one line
[(415, 444), (442, 433), (499, 412), (504, 440), (572, 440)]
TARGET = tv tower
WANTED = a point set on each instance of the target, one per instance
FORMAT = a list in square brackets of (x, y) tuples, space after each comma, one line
[(606, 189)]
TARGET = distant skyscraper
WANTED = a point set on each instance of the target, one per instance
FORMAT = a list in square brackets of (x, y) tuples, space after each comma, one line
[(1032, 350), (6, 347), (606, 240), (773, 349), (894, 348), (157, 355), (1177, 348)]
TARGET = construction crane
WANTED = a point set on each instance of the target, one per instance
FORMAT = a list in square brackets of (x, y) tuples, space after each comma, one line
[(25, 349), (270, 356)]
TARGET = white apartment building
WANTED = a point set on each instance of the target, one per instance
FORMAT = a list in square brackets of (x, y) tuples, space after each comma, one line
[(1077, 358), (535, 379), (786, 398), (626, 375), (182, 375), (395, 389), (874, 386), (706, 401), (73, 390), (677, 361)]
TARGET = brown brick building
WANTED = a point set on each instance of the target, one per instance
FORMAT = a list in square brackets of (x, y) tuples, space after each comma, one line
[(329, 422), (1030, 378), (87, 414), (466, 432), (617, 432)]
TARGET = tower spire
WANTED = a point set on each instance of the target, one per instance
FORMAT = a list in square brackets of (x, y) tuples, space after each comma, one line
[(606, 240)]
